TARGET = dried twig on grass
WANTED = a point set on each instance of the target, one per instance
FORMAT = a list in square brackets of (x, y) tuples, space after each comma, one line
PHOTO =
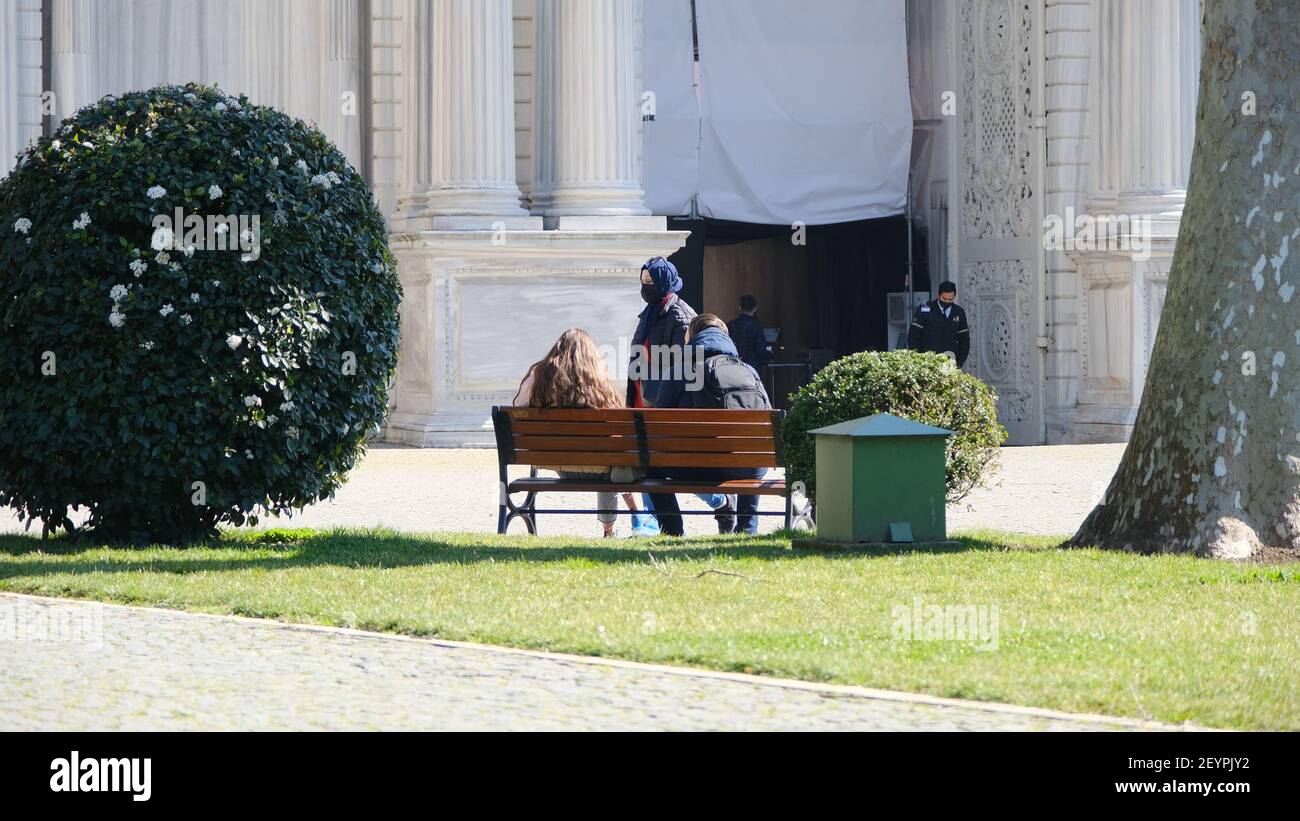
[(727, 573), (663, 569)]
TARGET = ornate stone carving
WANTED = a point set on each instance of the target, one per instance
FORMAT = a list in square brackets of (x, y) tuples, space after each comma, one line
[(997, 91), (1002, 347)]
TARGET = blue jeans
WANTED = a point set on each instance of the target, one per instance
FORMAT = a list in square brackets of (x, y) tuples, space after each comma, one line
[(669, 514)]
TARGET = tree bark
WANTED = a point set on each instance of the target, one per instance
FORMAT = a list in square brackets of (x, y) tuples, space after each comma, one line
[(1213, 466)]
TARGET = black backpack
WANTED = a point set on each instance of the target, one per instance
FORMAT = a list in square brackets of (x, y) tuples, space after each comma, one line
[(730, 383)]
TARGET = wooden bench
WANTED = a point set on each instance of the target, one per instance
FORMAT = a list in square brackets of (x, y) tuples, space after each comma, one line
[(642, 438)]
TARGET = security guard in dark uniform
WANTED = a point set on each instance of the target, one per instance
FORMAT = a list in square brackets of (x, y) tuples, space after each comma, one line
[(939, 326)]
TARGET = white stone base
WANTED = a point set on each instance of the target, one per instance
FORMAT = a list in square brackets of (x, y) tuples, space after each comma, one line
[(479, 307), (606, 223)]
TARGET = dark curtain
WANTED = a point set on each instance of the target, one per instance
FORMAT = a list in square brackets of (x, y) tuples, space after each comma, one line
[(851, 268)]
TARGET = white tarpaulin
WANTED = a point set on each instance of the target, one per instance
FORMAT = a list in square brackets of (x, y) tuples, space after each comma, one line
[(804, 111), (672, 138)]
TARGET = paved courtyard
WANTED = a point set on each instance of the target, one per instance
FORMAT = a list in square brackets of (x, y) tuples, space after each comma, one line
[(1046, 490), (141, 669)]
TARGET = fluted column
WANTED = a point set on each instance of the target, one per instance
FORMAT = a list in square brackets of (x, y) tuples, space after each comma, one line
[(1147, 63), (461, 140), (587, 110), (73, 23), (341, 114)]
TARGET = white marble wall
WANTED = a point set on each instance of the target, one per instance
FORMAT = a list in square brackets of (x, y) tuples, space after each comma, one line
[(20, 77), (1142, 84)]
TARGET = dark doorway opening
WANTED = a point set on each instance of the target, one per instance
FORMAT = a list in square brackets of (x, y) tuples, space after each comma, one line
[(828, 295)]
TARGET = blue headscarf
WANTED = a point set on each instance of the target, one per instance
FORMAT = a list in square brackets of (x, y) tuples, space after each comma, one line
[(664, 274), (665, 277)]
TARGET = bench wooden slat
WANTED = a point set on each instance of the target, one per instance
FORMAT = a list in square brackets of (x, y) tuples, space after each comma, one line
[(625, 414), (657, 460), (750, 487), (737, 444), (652, 429)]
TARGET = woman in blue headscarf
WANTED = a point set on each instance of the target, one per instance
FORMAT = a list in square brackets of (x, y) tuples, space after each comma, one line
[(663, 322)]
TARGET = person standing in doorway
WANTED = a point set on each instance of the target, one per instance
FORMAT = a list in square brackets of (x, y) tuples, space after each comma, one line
[(746, 331), (939, 326)]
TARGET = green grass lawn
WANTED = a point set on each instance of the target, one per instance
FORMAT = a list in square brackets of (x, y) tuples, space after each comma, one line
[(1166, 637)]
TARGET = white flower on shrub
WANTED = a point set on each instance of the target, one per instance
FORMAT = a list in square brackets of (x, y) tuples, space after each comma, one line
[(301, 165), (253, 401), (147, 345), (194, 297), (163, 258), (275, 162), (193, 98), (291, 432), (162, 238), (220, 108), (56, 145), (81, 221), (246, 237), (22, 225), (139, 266), (156, 192), (216, 283), (119, 292), (166, 310), (286, 407), (117, 319), (186, 319), (175, 266), (88, 146), (214, 191), (222, 228), (321, 181), (234, 341), (272, 419), (233, 103), (189, 250)]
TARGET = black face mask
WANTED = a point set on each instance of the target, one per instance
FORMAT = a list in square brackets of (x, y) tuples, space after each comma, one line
[(650, 293)]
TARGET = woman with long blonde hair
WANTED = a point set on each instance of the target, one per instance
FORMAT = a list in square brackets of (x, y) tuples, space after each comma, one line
[(573, 374)]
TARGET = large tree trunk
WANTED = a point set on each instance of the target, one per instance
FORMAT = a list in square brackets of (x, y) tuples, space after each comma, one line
[(1213, 466)]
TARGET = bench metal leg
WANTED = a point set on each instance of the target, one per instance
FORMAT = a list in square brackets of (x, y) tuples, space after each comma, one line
[(789, 511), (509, 511)]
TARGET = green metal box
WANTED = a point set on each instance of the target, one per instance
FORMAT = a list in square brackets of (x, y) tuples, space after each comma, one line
[(880, 471)]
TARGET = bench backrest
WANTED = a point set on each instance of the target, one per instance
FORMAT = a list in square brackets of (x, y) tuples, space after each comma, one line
[(640, 437)]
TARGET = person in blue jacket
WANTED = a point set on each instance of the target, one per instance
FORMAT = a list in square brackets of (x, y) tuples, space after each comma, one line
[(726, 382)]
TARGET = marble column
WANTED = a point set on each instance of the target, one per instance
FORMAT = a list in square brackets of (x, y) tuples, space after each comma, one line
[(587, 115), (341, 98), (71, 43), (461, 135), (1146, 72)]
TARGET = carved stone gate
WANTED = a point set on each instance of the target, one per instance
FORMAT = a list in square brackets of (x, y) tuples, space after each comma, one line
[(999, 156)]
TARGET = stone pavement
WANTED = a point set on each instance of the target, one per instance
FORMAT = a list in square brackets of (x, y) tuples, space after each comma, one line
[(1045, 490), (132, 668)]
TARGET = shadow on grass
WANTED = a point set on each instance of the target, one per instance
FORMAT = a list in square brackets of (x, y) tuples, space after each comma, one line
[(289, 549)]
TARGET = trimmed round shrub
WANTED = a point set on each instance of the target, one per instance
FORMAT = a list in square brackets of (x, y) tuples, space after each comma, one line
[(923, 387), (198, 317)]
